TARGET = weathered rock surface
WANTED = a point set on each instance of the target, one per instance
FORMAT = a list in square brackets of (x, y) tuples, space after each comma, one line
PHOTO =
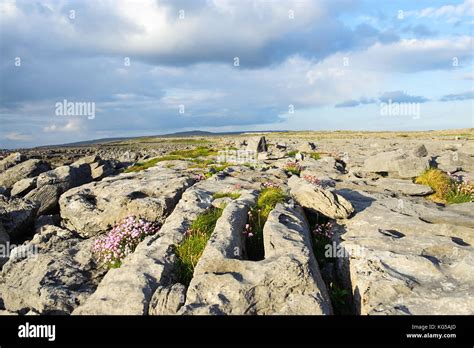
[(307, 147), (287, 281), (48, 186), (167, 299), (405, 187), (11, 160), (129, 289), (257, 144), (26, 169), (22, 187), (396, 164), (51, 274), (399, 264), (151, 194), (319, 199), (420, 151), (17, 216), (47, 196), (4, 240)]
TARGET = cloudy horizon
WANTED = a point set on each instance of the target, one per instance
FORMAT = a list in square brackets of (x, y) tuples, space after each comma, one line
[(137, 68)]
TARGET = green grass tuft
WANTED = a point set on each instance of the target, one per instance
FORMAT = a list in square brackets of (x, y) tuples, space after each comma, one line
[(456, 197), (292, 153), (267, 200), (314, 155), (233, 195), (446, 190), (190, 250), (200, 151)]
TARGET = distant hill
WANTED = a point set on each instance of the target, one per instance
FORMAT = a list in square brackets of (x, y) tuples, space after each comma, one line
[(193, 133)]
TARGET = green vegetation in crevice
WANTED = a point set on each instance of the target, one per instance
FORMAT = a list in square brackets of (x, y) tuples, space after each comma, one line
[(216, 168), (189, 251), (322, 236), (266, 202)]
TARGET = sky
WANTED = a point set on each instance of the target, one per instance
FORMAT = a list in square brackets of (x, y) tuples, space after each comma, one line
[(147, 67)]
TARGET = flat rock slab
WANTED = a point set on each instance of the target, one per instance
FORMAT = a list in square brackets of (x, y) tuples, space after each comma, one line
[(287, 281), (405, 187), (399, 264), (151, 194)]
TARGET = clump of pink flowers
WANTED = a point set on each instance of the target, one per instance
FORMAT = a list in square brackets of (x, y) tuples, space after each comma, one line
[(248, 231), (315, 181), (293, 168), (270, 184), (122, 240), (312, 179), (324, 230), (458, 179), (199, 177)]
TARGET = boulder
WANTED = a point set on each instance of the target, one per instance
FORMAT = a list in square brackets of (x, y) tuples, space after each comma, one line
[(11, 160), (396, 164), (26, 169), (257, 144), (17, 216), (307, 147), (319, 199), (152, 194), (420, 151), (47, 196), (52, 274), (66, 177), (453, 161), (22, 187)]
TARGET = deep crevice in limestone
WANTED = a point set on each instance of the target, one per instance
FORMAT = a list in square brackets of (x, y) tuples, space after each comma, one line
[(325, 250)]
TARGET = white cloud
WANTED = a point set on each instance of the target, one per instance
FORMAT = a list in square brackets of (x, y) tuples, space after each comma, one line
[(71, 126), (449, 11), (15, 136)]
